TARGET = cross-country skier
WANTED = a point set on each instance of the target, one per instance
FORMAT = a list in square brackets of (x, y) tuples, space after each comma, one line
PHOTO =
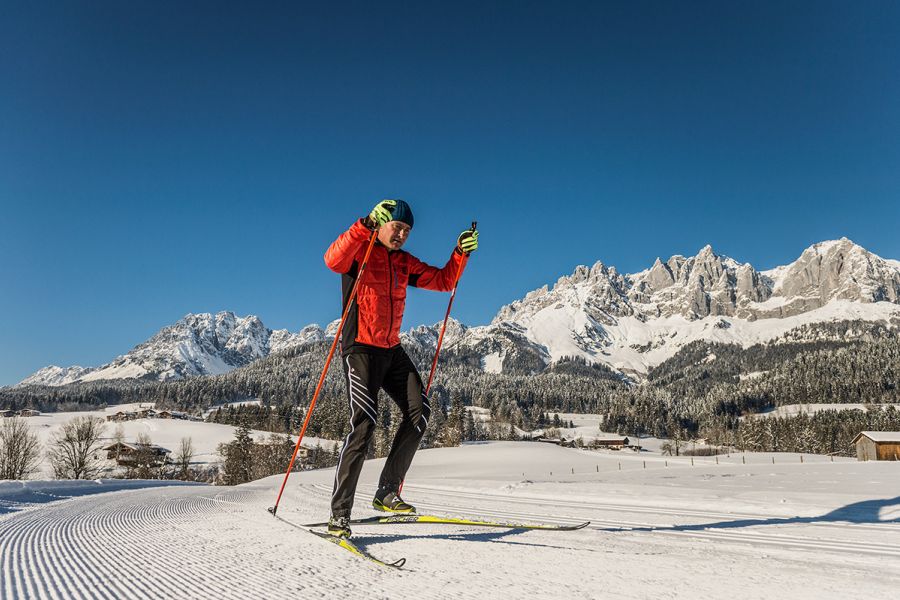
[(372, 356)]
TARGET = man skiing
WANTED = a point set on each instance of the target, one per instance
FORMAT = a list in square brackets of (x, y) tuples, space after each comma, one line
[(371, 353)]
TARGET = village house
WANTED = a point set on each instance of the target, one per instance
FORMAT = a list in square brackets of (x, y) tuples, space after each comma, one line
[(126, 454), (877, 445), (7, 413), (616, 443), (27, 412)]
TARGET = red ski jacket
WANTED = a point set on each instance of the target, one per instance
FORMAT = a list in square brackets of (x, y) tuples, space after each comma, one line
[(376, 315)]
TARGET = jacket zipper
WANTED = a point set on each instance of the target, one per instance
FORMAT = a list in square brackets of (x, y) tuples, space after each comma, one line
[(390, 298)]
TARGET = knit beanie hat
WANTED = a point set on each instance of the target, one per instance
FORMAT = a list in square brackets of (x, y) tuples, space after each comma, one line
[(402, 212)]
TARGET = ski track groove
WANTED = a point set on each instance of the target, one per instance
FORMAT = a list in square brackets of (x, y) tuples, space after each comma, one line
[(55, 563), (746, 537), (103, 549), (73, 533), (169, 542)]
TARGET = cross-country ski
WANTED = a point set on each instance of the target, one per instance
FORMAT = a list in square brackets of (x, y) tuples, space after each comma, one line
[(442, 520)]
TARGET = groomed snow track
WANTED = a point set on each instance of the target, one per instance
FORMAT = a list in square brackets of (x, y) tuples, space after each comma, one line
[(214, 542)]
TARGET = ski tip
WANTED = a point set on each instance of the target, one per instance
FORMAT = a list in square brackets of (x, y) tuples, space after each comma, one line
[(271, 509), (398, 564)]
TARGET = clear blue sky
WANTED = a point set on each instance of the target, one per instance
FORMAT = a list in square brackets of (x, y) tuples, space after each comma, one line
[(160, 158)]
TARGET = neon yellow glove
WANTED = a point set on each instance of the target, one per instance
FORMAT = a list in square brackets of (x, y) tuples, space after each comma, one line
[(467, 241), (381, 214)]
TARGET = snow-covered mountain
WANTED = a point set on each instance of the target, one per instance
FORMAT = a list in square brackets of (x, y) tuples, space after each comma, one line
[(198, 344), (630, 322), (635, 321)]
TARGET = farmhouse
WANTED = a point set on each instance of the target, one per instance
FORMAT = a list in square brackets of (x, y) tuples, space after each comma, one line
[(129, 454), (7, 413), (878, 445), (616, 443), (27, 412), (559, 442)]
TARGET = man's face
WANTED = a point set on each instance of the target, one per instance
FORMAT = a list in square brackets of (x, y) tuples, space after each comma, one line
[(393, 234)]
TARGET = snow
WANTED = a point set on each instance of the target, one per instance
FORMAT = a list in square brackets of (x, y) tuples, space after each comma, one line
[(792, 410), (492, 363), (552, 327), (882, 436), (660, 528)]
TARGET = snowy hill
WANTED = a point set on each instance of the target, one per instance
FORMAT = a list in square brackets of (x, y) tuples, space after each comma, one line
[(630, 322), (660, 528)]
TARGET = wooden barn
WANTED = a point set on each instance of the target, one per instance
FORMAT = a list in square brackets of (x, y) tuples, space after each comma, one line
[(878, 445)]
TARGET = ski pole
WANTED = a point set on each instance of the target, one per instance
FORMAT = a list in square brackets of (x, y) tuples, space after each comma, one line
[(337, 336), (447, 316), (444, 328)]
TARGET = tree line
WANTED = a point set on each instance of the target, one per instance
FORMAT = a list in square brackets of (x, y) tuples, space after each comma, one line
[(705, 390)]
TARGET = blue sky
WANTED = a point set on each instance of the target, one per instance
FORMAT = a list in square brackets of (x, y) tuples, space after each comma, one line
[(164, 158)]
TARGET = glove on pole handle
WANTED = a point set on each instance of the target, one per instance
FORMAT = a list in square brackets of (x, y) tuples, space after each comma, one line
[(444, 328), (337, 336)]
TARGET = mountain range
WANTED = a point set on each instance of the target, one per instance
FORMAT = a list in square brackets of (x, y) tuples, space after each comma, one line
[(630, 322)]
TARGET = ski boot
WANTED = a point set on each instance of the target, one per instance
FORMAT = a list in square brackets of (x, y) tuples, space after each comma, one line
[(392, 502), (339, 527)]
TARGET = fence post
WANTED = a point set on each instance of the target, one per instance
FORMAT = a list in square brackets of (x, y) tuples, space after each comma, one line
[(620, 466), (773, 460), (743, 459), (692, 461), (645, 464)]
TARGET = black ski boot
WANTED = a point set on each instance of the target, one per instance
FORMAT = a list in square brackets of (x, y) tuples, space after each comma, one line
[(391, 502), (339, 527)]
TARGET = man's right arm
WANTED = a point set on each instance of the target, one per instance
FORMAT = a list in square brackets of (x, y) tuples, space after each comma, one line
[(342, 252)]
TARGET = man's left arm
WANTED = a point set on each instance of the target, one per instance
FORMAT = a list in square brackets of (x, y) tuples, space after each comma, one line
[(425, 276), (422, 275)]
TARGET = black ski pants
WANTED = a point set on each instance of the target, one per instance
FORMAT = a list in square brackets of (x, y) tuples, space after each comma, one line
[(366, 373)]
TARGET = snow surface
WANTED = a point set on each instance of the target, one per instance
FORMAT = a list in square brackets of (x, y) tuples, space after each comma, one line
[(492, 363), (660, 528), (792, 410), (666, 334)]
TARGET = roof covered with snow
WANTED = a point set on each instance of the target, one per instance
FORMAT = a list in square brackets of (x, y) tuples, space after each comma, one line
[(880, 436)]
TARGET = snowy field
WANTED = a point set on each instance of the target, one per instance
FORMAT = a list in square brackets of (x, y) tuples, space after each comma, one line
[(205, 437), (661, 528), (792, 410)]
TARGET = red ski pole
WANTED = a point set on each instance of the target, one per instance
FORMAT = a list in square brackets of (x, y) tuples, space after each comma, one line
[(437, 350), (447, 316), (337, 336)]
